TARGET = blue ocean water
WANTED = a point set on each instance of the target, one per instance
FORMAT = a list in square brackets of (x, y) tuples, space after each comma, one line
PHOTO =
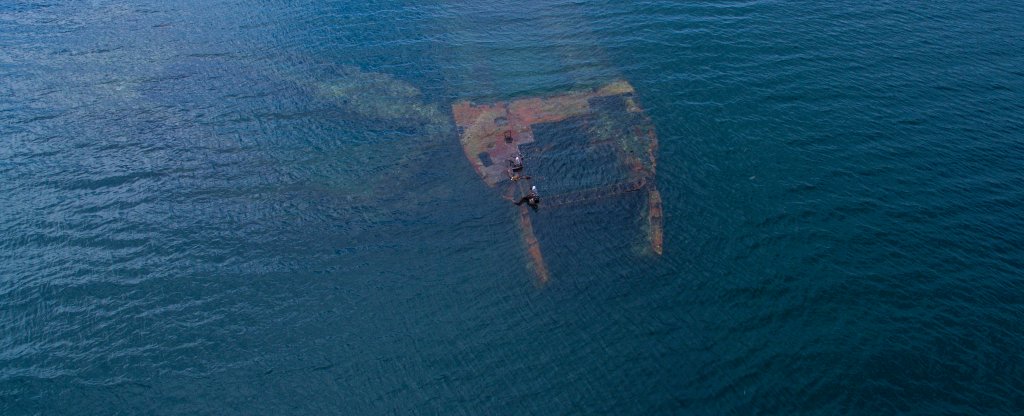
[(237, 207)]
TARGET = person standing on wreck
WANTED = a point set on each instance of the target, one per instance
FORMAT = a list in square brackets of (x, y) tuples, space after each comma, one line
[(515, 168), (516, 163), (531, 199)]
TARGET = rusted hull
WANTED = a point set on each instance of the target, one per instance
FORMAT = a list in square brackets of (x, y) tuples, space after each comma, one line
[(655, 220), (540, 269), (483, 127)]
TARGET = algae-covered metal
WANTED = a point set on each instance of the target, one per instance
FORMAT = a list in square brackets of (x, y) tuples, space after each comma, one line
[(578, 147)]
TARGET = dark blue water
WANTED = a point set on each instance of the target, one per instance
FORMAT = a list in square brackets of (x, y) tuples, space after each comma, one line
[(262, 208)]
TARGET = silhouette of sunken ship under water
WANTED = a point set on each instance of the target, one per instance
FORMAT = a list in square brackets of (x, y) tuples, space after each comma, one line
[(577, 148)]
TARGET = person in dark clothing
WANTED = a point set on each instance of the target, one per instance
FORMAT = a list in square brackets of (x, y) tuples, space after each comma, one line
[(531, 199)]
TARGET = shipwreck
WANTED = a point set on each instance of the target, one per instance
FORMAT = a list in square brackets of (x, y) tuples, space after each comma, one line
[(576, 148)]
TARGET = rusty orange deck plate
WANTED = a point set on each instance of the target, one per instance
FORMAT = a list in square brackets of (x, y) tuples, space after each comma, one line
[(578, 147)]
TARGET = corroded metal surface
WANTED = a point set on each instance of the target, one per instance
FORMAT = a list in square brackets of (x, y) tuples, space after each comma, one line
[(533, 246), (483, 126), (579, 147)]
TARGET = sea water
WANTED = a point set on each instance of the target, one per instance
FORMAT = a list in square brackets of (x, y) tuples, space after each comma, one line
[(238, 207)]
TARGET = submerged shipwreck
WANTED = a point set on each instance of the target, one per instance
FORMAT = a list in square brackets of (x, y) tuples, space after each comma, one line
[(576, 148)]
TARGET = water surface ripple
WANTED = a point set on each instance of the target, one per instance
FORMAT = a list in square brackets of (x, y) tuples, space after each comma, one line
[(215, 207)]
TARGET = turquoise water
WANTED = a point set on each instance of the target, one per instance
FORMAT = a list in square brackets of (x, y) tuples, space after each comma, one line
[(262, 208)]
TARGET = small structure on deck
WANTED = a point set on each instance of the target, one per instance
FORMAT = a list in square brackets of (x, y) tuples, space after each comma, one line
[(577, 148)]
